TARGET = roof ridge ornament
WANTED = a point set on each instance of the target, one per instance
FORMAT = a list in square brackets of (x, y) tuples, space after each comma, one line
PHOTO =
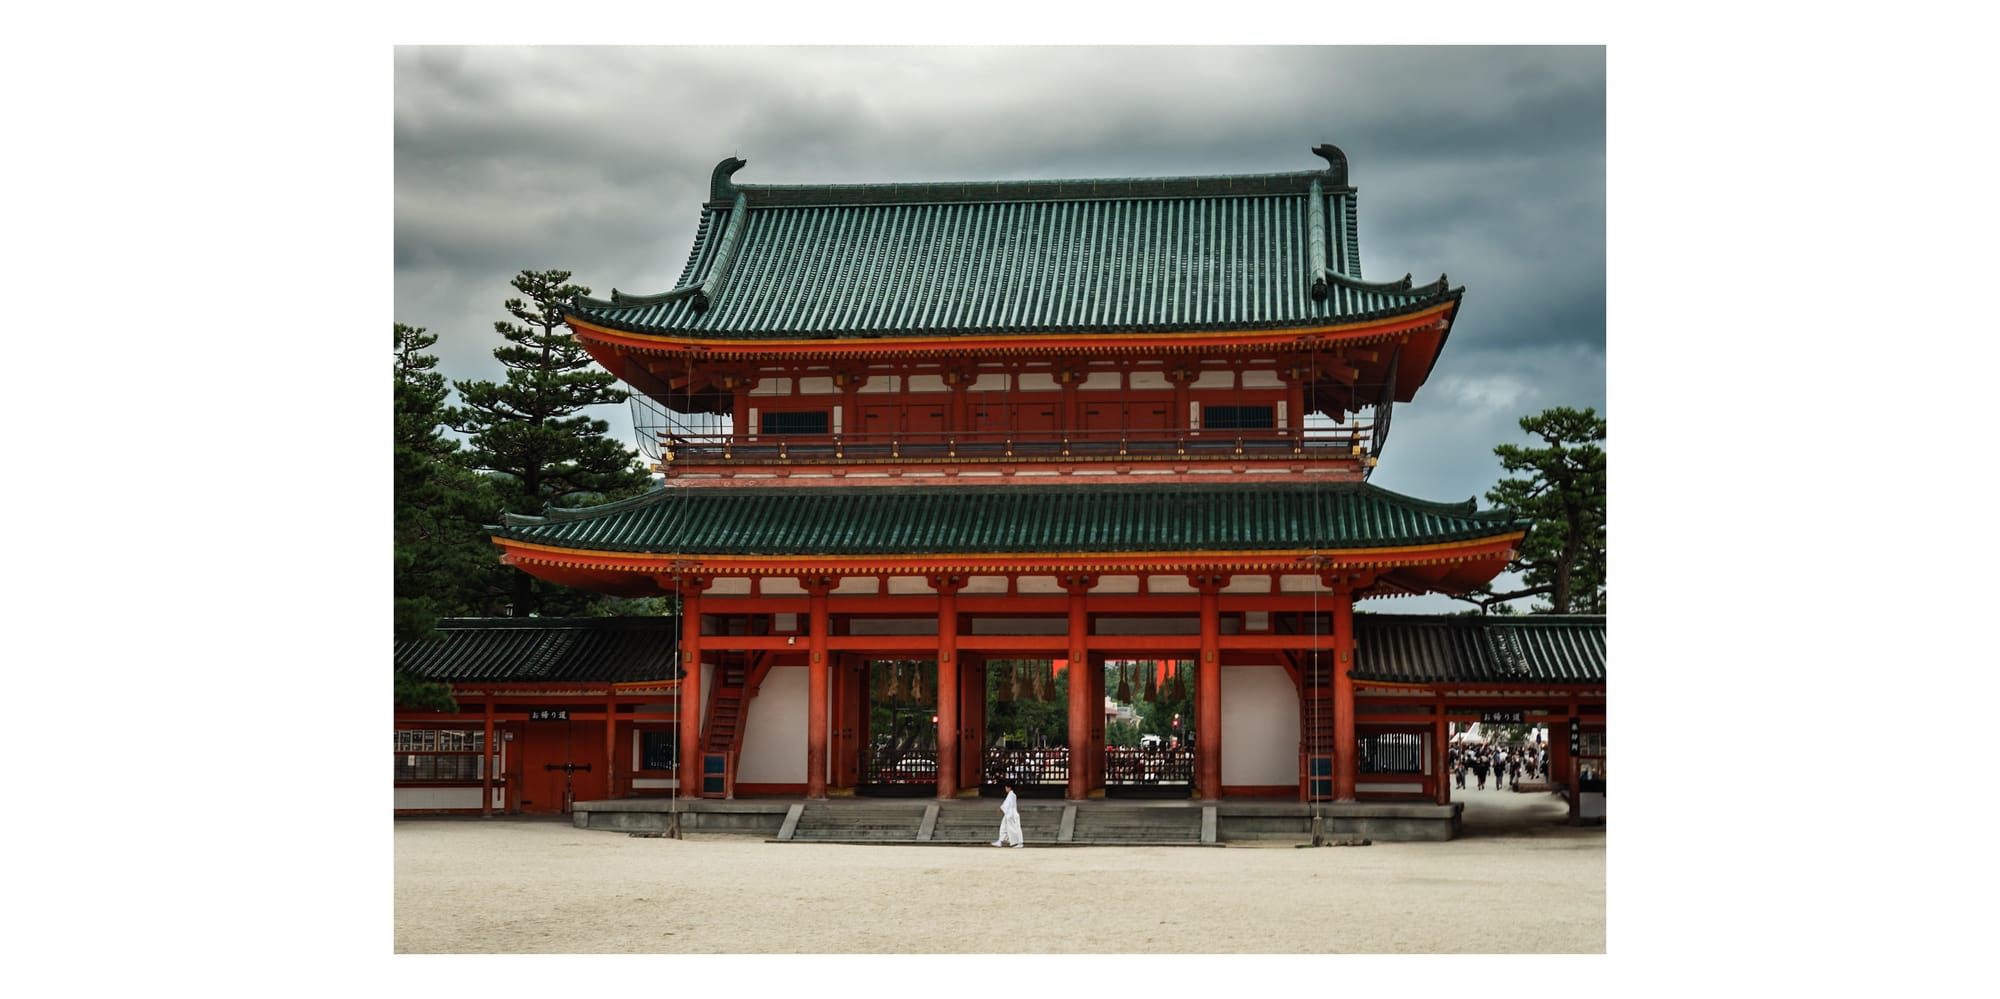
[(1336, 161), (720, 187)]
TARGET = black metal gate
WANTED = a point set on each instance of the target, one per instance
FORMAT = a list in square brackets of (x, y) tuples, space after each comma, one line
[(1145, 772), (1035, 773)]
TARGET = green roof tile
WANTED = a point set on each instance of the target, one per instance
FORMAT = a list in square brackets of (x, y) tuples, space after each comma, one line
[(1563, 649), (1088, 256), (1014, 519), (544, 650)]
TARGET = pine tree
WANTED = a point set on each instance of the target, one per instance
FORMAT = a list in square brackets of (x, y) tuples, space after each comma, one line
[(444, 560), (529, 430), (1563, 557), (444, 563)]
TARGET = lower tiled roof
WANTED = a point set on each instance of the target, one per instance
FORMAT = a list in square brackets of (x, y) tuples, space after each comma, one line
[(1015, 519), (545, 650), (1563, 649)]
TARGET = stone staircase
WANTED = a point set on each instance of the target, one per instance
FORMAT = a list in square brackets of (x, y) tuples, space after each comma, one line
[(859, 822), (979, 822), (1135, 826), (976, 822)]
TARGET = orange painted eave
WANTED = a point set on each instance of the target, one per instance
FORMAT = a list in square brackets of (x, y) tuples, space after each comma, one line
[(633, 573), (1356, 332)]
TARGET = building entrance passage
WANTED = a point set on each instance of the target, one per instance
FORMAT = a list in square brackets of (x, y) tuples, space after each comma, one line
[(900, 758), (1148, 738), (1027, 728)]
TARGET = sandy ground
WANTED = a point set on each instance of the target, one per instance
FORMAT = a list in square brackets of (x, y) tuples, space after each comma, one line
[(518, 886)]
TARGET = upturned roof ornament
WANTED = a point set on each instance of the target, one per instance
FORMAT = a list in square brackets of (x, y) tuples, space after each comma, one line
[(1336, 161), (719, 186)]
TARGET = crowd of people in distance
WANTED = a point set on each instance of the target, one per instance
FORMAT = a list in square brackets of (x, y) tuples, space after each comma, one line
[(1505, 764)]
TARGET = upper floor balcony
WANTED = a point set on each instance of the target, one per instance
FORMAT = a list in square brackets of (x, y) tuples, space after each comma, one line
[(1348, 448)]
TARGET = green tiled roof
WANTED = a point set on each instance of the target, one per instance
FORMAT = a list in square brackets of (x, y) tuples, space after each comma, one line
[(545, 650), (1077, 256), (1013, 519), (1552, 648)]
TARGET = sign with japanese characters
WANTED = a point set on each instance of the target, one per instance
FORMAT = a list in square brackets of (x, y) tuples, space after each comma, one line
[(1502, 717), (548, 714)]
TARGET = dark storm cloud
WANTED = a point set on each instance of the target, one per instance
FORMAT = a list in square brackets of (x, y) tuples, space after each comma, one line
[(1487, 164)]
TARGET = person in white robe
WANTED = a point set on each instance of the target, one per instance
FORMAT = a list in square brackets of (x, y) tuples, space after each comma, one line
[(1010, 820)]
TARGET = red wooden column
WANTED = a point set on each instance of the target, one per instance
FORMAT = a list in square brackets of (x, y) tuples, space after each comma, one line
[(816, 685), (947, 684), (1343, 696), (1441, 749), (611, 745), (688, 694), (1081, 707), (1208, 689), (492, 757), (1570, 767)]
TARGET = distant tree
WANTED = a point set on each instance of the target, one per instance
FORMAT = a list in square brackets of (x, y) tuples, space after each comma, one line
[(1026, 720), (1156, 717), (444, 562), (1563, 489), (529, 430)]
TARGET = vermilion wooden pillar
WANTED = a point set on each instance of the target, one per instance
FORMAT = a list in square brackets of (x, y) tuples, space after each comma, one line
[(816, 684), (947, 685), (1441, 751), (1080, 702), (1208, 691), (688, 694), (491, 756), (1343, 696), (611, 746)]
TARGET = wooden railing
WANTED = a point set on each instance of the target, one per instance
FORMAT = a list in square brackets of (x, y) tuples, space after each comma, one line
[(987, 447)]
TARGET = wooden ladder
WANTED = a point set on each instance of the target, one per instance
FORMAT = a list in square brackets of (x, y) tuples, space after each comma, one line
[(728, 707)]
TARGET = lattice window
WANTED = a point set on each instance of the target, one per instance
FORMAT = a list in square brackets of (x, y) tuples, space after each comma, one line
[(1239, 418), (783, 424), (440, 756)]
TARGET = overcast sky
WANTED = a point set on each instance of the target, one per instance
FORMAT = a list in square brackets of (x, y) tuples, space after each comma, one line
[(1486, 164)]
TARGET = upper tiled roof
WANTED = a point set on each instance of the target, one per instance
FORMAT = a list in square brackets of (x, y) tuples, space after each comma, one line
[(1016, 519), (1567, 649), (1263, 251), (544, 650)]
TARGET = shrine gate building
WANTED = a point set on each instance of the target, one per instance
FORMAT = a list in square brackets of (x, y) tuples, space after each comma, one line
[(935, 446)]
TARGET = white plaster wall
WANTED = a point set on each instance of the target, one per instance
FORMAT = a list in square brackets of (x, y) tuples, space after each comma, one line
[(1260, 726), (774, 736)]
